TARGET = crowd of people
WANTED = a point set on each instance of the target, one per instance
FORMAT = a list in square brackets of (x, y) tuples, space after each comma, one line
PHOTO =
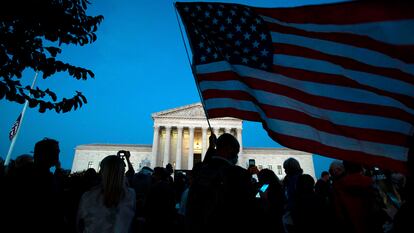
[(217, 195)]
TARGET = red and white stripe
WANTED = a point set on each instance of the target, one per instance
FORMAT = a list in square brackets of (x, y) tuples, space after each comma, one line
[(342, 83)]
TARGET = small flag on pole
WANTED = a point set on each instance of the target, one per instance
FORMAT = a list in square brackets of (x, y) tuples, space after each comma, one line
[(15, 127), (335, 79)]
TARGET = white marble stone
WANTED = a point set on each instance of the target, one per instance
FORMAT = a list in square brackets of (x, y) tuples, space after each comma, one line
[(92, 154), (186, 117)]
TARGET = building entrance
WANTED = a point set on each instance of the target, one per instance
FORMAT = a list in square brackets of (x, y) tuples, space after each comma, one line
[(197, 158)]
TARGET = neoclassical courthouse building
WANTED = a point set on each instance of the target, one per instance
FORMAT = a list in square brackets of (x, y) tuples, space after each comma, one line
[(181, 138)]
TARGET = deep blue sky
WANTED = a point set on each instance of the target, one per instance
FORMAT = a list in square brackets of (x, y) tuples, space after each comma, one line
[(140, 67)]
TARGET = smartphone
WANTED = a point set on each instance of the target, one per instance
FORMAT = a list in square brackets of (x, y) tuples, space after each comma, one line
[(262, 190), (121, 154), (252, 162)]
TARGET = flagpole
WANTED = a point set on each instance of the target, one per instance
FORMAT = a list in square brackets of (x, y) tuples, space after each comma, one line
[(7, 161), (192, 69)]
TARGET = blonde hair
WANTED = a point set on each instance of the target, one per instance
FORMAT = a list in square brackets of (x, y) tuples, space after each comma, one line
[(113, 173)]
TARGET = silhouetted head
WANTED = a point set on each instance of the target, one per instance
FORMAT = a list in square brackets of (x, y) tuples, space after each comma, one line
[(146, 170), (325, 175), (267, 176), (112, 172), (336, 169), (305, 184), (228, 147), (90, 172), (169, 168), (24, 160), (46, 153), (160, 173), (292, 167)]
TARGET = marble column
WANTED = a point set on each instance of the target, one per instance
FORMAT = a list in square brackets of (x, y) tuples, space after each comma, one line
[(203, 143), (227, 130), (216, 131), (239, 138), (191, 149), (167, 146), (179, 147), (155, 146)]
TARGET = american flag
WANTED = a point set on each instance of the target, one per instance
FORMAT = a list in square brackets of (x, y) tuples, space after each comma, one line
[(15, 127), (335, 80)]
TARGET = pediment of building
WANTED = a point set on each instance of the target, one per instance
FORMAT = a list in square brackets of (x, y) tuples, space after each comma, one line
[(191, 111)]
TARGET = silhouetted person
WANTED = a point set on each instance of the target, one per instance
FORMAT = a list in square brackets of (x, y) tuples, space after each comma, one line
[(182, 211), (404, 218), (170, 170), (180, 184), (35, 194), (336, 170), (309, 210), (293, 171), (125, 155), (110, 206), (21, 167), (160, 212), (211, 150), (141, 183), (75, 186), (221, 198), (354, 198), (323, 186), (272, 201), (23, 161)]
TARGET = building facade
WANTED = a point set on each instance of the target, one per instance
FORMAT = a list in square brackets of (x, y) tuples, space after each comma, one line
[(181, 138)]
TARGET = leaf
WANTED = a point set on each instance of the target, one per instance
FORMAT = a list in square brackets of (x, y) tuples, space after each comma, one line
[(30, 44), (75, 104), (51, 94), (53, 51), (3, 90), (42, 107), (66, 106), (79, 101), (57, 108), (91, 74), (20, 99), (49, 105), (84, 75), (83, 98), (33, 103)]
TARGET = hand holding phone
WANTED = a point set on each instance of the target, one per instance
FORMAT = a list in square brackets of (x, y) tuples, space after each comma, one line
[(121, 154), (252, 162), (124, 154)]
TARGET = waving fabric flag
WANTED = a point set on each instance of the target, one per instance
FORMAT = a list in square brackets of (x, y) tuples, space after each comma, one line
[(15, 127), (335, 80)]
